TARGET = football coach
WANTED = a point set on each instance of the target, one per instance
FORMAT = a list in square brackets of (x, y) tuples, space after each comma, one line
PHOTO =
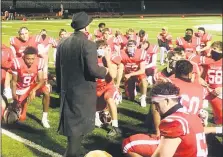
[(76, 71)]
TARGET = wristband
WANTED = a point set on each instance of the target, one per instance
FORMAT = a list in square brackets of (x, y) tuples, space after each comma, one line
[(218, 130)]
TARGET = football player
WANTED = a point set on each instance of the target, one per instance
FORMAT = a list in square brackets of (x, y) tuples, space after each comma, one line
[(45, 42), (205, 40), (18, 44), (192, 98), (26, 71), (164, 42), (106, 87), (181, 133), (142, 36), (188, 42), (133, 60), (98, 33), (214, 79), (151, 58)]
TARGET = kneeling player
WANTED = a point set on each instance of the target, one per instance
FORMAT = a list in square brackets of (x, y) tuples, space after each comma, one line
[(182, 134), (25, 71), (106, 89)]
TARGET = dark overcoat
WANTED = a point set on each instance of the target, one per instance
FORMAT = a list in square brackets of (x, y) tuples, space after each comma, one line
[(76, 71)]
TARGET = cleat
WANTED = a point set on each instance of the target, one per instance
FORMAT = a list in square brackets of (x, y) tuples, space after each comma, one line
[(114, 132), (45, 123)]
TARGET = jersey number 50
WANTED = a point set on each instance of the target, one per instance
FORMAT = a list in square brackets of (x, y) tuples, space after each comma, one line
[(193, 102), (214, 76)]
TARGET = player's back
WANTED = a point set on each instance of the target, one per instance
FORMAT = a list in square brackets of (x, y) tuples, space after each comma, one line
[(189, 129), (192, 94)]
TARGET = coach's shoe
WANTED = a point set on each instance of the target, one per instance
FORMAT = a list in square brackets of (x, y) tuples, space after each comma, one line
[(45, 123), (143, 101), (114, 132)]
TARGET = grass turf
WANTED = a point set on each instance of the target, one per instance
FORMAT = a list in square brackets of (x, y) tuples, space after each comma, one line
[(131, 115)]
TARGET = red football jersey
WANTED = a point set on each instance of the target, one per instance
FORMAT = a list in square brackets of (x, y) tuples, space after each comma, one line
[(204, 39), (214, 72), (189, 129), (102, 83), (6, 63), (26, 76), (131, 64), (153, 49), (20, 45), (192, 94), (140, 40), (191, 47), (46, 43), (98, 34)]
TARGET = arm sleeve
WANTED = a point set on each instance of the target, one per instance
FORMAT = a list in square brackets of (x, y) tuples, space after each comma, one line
[(90, 58)]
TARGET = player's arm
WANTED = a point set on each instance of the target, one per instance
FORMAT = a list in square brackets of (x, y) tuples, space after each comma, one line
[(112, 68), (156, 119), (167, 147), (142, 68), (153, 63), (14, 83), (208, 45), (214, 130), (40, 80)]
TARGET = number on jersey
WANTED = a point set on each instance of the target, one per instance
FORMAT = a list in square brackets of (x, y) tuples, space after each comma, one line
[(201, 145), (214, 76), (27, 80), (193, 103)]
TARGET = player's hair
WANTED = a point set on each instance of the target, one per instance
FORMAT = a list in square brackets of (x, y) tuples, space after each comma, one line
[(100, 43), (130, 30), (101, 24), (165, 88), (179, 48), (146, 42), (21, 28), (43, 30), (142, 32), (131, 42), (183, 67), (170, 55), (190, 29), (217, 44), (105, 30), (62, 30), (30, 50), (201, 28)]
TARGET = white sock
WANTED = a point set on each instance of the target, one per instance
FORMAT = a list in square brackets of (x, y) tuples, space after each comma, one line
[(115, 123), (45, 114), (143, 96)]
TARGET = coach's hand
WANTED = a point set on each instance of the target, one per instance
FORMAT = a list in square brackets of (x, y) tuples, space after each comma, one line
[(32, 95)]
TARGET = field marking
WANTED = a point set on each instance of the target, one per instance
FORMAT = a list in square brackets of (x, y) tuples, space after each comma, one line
[(30, 143)]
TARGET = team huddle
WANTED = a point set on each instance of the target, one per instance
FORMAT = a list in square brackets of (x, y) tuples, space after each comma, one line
[(178, 94)]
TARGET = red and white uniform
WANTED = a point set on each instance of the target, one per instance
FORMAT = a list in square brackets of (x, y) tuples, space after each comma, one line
[(26, 76), (192, 94), (19, 46), (105, 88), (131, 64), (44, 48), (214, 79), (142, 144), (98, 34), (140, 40), (151, 56), (119, 42), (165, 38), (191, 47), (204, 39), (6, 63), (179, 124)]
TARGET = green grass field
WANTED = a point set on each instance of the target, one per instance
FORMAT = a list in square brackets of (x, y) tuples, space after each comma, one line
[(131, 115)]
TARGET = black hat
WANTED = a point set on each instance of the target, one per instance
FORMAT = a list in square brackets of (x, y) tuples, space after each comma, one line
[(80, 20)]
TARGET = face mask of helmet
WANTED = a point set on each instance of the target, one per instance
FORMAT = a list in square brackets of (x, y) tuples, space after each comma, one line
[(100, 52), (131, 51), (215, 55), (188, 37)]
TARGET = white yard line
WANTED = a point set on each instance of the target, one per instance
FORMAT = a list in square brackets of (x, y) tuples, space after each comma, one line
[(30, 143)]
